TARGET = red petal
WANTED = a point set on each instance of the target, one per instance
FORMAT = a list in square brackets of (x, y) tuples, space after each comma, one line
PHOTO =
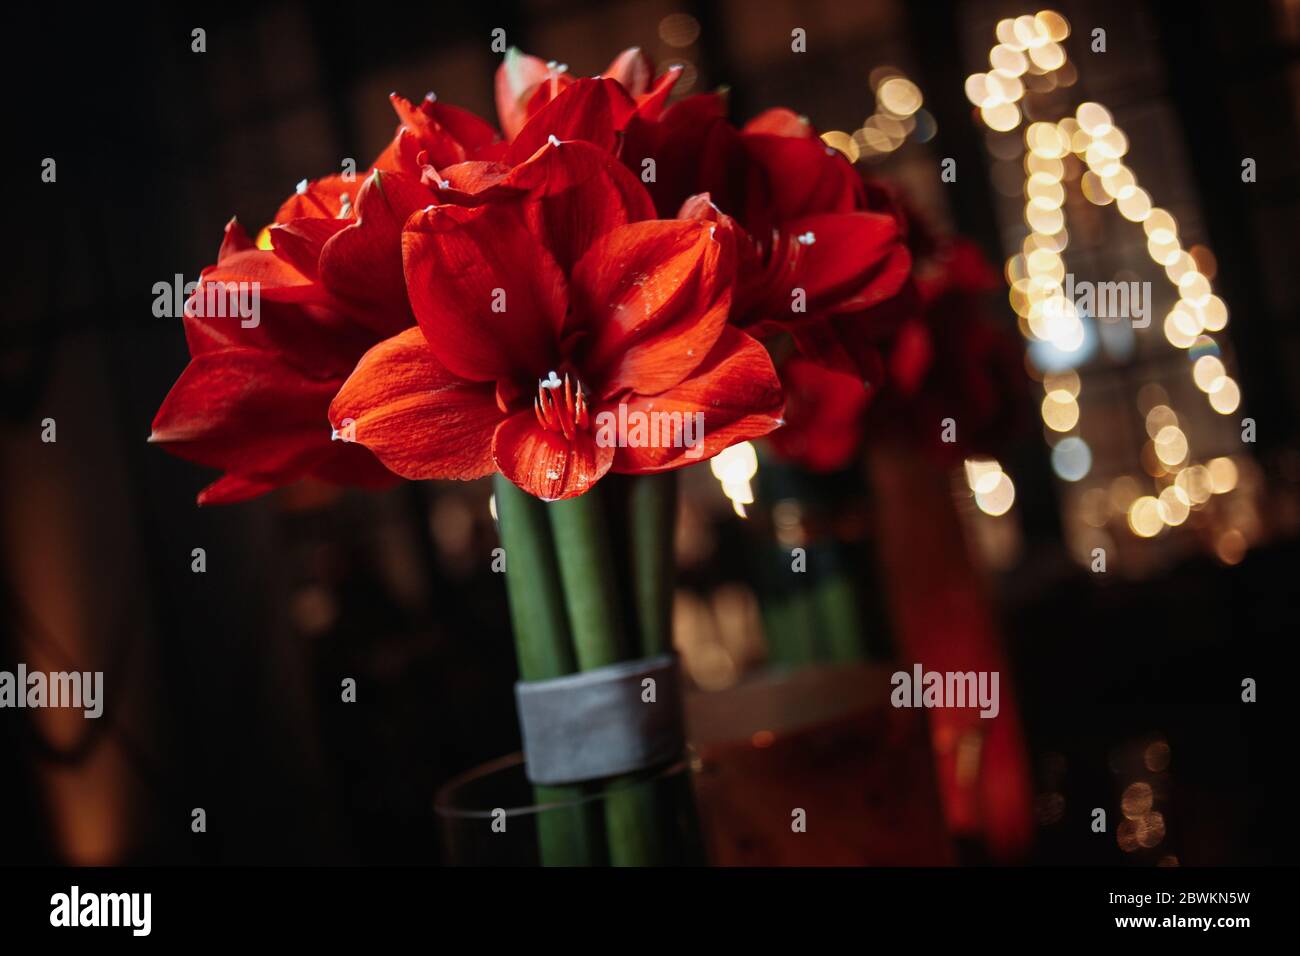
[(805, 177), (654, 297), (696, 109), (234, 241), (592, 110), (736, 390), (232, 489), (468, 129), (342, 464), (318, 341), (546, 464), (419, 419), (466, 182), (517, 75), (844, 343), (362, 265), (322, 199), (781, 122), (911, 357), (633, 69), (650, 105), (444, 134), (824, 415), (277, 278), (402, 154), (583, 192), (246, 411), (299, 242), (853, 262), (487, 293), (695, 150)]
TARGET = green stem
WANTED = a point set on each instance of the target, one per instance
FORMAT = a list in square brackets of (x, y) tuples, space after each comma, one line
[(634, 823), (586, 565), (532, 585), (789, 610), (780, 627), (653, 517), (839, 617), (802, 610), (568, 836), (632, 819), (641, 817)]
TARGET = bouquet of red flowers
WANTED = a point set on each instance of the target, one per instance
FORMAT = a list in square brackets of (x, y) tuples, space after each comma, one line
[(575, 300)]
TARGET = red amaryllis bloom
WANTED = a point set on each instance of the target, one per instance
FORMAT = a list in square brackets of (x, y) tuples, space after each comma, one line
[(946, 360), (954, 361), (252, 400), (838, 288), (350, 250), (540, 349), (817, 253)]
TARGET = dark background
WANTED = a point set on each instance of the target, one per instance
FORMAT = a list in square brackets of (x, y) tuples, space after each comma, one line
[(223, 687)]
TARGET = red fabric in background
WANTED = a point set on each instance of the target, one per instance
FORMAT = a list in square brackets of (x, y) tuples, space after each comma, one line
[(944, 621)]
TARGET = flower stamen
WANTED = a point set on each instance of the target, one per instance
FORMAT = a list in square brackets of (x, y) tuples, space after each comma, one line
[(561, 405)]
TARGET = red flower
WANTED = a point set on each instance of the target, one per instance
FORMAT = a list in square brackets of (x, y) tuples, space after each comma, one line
[(820, 254), (252, 400), (775, 179), (824, 416), (944, 357), (817, 257), (546, 325), (954, 361)]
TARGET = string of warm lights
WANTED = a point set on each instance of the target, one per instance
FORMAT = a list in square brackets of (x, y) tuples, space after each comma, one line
[(1028, 47), (1088, 146), (899, 114)]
